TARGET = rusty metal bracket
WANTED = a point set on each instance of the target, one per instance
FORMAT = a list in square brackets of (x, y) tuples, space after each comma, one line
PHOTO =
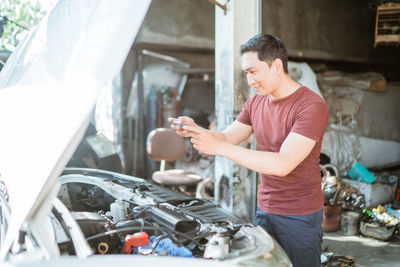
[(216, 3)]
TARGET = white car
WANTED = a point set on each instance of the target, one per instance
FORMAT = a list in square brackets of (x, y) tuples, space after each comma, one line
[(50, 215)]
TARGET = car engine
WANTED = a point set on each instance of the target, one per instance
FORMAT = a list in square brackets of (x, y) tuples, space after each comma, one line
[(121, 214)]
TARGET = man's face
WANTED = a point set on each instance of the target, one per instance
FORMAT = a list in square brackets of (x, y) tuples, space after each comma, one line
[(259, 75)]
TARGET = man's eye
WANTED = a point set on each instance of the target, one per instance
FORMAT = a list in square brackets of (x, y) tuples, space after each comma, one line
[(249, 72)]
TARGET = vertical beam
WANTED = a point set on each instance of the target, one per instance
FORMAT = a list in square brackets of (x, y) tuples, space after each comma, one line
[(254, 175), (234, 27), (139, 165)]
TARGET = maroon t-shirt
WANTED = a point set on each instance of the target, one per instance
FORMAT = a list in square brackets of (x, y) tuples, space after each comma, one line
[(302, 112)]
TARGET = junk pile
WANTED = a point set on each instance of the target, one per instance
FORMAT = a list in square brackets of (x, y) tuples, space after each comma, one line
[(330, 259), (356, 141), (356, 202), (339, 197), (337, 192), (380, 222)]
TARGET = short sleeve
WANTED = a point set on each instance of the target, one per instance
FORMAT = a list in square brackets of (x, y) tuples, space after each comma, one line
[(311, 121), (244, 115)]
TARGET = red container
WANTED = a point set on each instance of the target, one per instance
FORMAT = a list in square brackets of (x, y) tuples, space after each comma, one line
[(331, 218)]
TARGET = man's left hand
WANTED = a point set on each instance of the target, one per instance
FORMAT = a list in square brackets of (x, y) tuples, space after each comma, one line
[(203, 140)]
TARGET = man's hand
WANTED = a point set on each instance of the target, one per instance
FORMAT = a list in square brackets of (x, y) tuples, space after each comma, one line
[(204, 140), (187, 121)]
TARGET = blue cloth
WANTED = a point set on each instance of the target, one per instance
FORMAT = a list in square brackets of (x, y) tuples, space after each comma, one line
[(166, 244), (299, 235)]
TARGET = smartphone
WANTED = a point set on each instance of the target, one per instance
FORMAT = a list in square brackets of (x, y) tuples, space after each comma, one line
[(178, 123)]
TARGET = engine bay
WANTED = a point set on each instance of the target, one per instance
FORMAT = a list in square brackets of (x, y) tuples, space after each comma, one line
[(128, 215)]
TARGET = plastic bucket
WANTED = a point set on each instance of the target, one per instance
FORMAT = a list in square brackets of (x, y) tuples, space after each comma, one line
[(359, 173), (349, 223)]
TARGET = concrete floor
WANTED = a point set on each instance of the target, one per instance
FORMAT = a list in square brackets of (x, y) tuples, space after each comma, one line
[(367, 252)]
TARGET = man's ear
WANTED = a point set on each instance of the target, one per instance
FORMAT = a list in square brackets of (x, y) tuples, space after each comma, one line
[(278, 65)]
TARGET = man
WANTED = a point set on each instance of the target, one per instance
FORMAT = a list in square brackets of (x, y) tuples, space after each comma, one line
[(288, 121)]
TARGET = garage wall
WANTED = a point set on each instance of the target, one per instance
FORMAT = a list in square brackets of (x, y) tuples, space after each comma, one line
[(180, 23), (338, 30)]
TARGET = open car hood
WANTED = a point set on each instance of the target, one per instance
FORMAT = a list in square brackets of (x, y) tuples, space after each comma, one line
[(48, 90)]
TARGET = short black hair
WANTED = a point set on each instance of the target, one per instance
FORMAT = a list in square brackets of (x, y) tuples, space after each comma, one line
[(268, 48)]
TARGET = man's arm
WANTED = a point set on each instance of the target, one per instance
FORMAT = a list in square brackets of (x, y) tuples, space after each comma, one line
[(233, 134), (293, 151)]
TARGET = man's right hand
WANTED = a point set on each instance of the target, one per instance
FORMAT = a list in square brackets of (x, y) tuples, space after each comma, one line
[(179, 130)]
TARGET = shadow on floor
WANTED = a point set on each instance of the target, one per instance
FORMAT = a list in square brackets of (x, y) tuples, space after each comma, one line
[(367, 252)]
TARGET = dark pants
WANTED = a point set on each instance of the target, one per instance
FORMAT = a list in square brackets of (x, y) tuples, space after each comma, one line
[(299, 235)]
